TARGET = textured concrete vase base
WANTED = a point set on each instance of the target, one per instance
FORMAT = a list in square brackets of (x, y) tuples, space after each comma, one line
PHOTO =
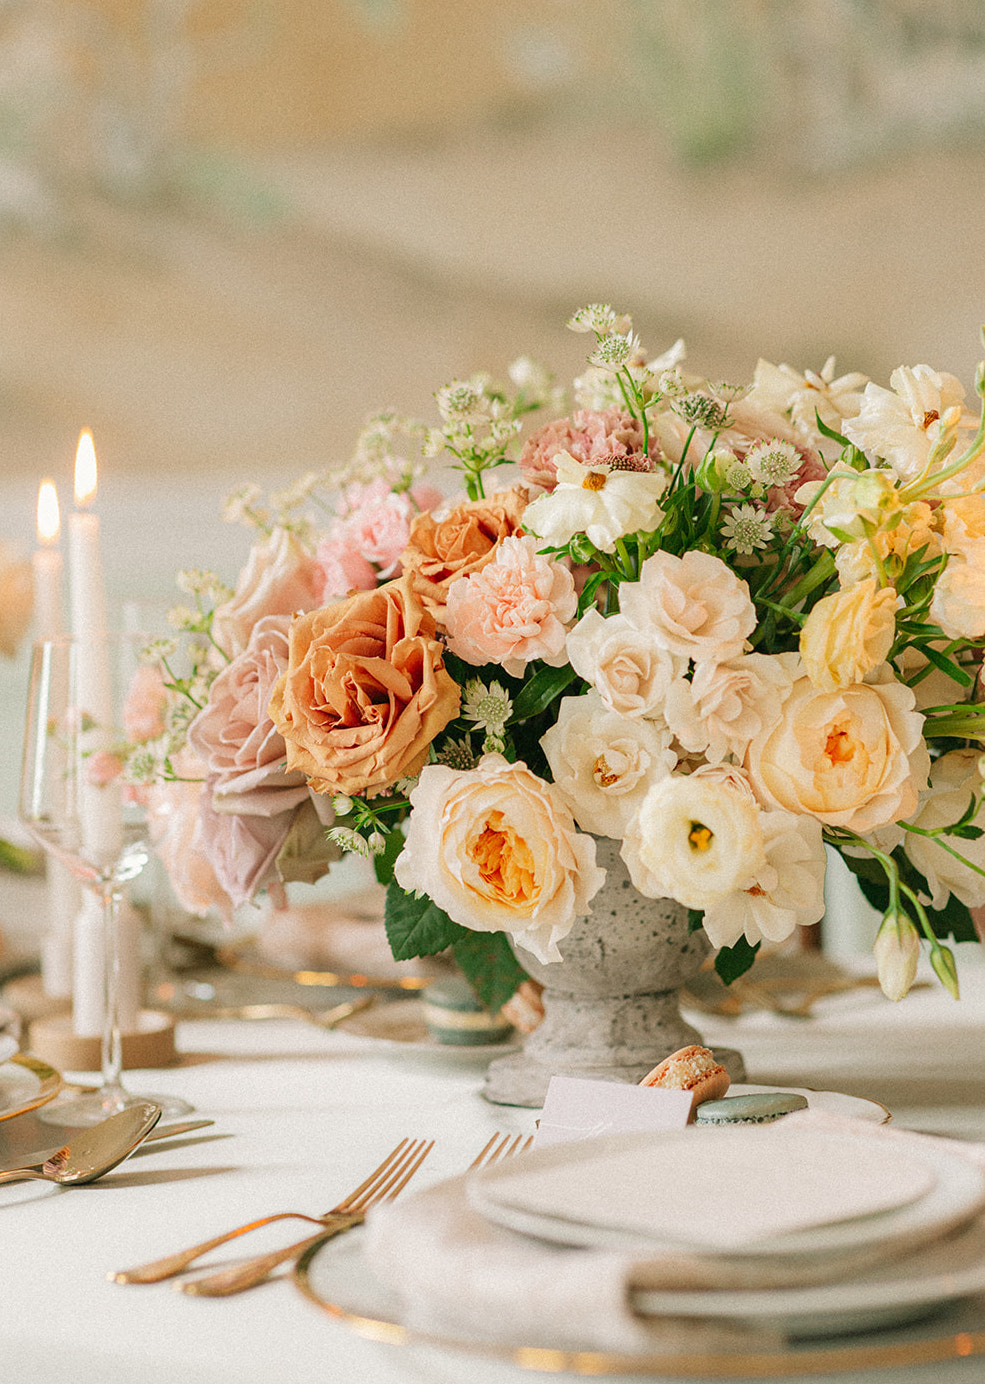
[(611, 1007)]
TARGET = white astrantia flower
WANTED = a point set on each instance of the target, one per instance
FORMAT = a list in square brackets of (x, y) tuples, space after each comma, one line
[(628, 668), (784, 892), (773, 461), (804, 396), (694, 840), (747, 528), (604, 764), (603, 503), (904, 423), (725, 705)]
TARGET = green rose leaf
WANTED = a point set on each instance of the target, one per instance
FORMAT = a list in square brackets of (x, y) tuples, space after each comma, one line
[(417, 927), (488, 964), (541, 691), (384, 864), (732, 962)]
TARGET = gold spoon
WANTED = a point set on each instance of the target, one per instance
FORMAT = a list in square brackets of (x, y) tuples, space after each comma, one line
[(93, 1151)]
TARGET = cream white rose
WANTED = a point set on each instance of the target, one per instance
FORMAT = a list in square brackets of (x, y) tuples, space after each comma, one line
[(626, 666), (958, 602), (694, 840), (597, 500), (787, 891), (853, 758), (726, 704), (848, 633), (497, 849), (604, 764), (694, 606), (953, 779)]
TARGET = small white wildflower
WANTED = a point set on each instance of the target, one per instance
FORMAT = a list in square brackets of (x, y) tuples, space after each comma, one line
[(141, 766), (747, 528), (348, 840), (342, 804), (489, 707), (737, 475), (463, 401), (183, 618), (613, 352), (376, 842), (158, 650), (179, 717), (293, 496), (243, 507), (671, 384), (596, 317), (598, 389), (773, 462)]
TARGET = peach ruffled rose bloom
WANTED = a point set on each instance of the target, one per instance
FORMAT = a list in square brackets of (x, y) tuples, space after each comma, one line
[(852, 758), (497, 849), (514, 610), (279, 578), (463, 541), (694, 605), (365, 691), (848, 633)]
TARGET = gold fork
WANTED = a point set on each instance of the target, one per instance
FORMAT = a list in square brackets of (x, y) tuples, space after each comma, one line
[(254, 1271), (384, 1182)]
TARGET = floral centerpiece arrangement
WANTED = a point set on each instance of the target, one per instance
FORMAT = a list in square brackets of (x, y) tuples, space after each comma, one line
[(727, 626)]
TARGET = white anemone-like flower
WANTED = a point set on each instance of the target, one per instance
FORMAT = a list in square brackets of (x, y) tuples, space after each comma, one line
[(803, 396), (953, 779), (787, 890), (904, 423), (694, 840), (599, 501), (604, 764)]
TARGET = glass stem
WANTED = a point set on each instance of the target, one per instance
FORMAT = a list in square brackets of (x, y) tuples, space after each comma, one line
[(111, 1057)]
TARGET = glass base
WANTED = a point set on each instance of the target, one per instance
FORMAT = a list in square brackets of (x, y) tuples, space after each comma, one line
[(82, 1112)]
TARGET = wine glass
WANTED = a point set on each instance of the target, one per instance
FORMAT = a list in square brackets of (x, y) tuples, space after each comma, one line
[(75, 802)]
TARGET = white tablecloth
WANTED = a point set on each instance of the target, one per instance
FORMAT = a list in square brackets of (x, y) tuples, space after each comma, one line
[(301, 1116)]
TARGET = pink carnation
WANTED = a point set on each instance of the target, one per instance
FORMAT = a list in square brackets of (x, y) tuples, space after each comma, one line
[(365, 543), (513, 610), (588, 436)]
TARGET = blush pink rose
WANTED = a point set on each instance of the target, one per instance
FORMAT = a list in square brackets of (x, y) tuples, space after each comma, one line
[(279, 578), (172, 814), (515, 609), (589, 435), (233, 734), (146, 700), (241, 848), (341, 570)]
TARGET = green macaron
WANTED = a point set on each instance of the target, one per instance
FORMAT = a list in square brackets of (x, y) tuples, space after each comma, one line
[(761, 1108)]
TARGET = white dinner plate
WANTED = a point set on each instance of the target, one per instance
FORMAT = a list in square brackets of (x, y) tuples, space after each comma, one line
[(672, 1193), (399, 1026), (25, 1084)]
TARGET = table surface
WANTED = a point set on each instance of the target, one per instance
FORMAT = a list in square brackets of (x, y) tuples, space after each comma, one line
[(302, 1115)]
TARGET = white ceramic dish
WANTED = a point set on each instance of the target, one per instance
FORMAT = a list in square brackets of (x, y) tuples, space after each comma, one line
[(832, 1102), (25, 1084), (618, 1193)]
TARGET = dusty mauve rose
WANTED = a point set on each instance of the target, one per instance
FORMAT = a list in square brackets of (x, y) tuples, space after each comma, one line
[(279, 578), (241, 847), (512, 611), (496, 848), (463, 541), (172, 814), (365, 691), (146, 700), (589, 435), (233, 735), (852, 758)]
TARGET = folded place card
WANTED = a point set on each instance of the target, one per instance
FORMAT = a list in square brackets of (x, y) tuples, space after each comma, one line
[(577, 1108)]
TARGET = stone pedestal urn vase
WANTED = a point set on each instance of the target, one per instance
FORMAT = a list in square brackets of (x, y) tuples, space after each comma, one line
[(612, 1004)]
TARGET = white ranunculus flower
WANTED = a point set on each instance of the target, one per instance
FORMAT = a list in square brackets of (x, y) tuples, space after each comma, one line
[(953, 779), (785, 390), (902, 424), (604, 764), (599, 501), (958, 602), (694, 606), (787, 891), (694, 840), (963, 517), (627, 667), (725, 705)]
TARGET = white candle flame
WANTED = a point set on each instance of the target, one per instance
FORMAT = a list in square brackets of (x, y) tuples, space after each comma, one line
[(85, 470), (49, 520)]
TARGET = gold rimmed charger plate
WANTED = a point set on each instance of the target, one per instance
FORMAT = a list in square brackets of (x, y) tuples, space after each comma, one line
[(34, 1085), (242, 957), (955, 1334)]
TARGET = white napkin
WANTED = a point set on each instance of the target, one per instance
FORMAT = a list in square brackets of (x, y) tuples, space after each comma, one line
[(458, 1276)]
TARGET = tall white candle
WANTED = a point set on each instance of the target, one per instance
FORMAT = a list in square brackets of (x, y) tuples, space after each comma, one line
[(62, 888)]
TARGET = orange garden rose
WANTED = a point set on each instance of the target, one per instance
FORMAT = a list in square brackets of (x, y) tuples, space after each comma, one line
[(365, 691)]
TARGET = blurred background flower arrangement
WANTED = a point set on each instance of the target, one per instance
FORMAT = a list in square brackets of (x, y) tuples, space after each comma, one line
[(723, 624)]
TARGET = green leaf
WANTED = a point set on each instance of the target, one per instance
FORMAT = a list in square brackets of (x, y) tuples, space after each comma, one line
[(307, 853), (538, 694), (383, 864), (695, 919), (946, 665), (488, 964), (417, 927), (732, 962), (825, 431)]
